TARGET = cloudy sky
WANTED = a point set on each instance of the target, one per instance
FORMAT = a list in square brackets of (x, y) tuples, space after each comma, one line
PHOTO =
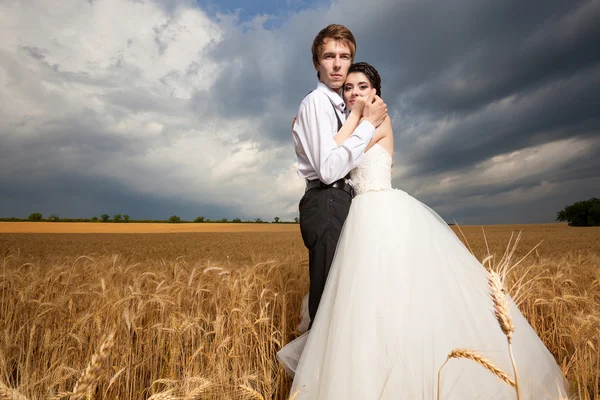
[(154, 107)]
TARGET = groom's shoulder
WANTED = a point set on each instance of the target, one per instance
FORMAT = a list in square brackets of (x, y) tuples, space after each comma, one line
[(314, 97)]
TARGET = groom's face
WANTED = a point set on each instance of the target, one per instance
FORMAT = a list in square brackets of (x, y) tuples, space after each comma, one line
[(334, 61)]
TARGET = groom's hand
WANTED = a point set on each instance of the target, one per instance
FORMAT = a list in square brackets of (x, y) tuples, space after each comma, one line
[(359, 106), (375, 109)]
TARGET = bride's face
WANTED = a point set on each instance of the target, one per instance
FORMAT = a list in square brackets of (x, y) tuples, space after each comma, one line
[(357, 85)]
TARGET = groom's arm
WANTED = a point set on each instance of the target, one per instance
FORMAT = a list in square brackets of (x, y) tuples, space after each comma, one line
[(313, 128)]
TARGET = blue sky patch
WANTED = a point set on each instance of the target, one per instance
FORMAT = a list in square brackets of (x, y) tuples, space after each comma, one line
[(248, 9)]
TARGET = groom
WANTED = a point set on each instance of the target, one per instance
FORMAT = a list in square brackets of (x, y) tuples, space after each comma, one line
[(324, 165)]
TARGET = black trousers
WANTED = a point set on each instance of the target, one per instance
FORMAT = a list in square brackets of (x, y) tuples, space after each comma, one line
[(322, 215)]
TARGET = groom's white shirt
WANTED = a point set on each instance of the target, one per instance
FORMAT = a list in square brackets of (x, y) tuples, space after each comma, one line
[(318, 155)]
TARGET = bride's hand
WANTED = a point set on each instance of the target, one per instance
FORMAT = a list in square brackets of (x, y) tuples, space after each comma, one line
[(294, 121), (359, 106)]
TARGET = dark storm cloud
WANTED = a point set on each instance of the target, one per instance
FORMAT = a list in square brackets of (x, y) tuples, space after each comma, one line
[(549, 46), (248, 77), (36, 53), (565, 109), (544, 209), (30, 158), (459, 61), (438, 60), (496, 47), (75, 196), (263, 74)]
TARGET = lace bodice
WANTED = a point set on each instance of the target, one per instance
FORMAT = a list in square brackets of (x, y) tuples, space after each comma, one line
[(374, 172)]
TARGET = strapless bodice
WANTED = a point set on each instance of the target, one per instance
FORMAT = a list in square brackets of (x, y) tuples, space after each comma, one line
[(374, 172)]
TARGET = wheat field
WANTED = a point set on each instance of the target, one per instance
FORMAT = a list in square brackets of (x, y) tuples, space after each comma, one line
[(200, 315)]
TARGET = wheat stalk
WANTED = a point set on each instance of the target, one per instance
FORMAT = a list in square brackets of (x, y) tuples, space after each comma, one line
[(10, 394), (295, 395), (471, 355), (90, 374), (562, 307)]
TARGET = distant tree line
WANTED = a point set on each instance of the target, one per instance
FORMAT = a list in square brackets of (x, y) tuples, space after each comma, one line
[(124, 218), (581, 213)]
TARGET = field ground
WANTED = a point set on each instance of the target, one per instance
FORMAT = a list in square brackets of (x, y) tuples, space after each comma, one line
[(199, 310), (243, 244)]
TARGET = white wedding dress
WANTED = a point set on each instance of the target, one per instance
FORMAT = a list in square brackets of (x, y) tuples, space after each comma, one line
[(402, 292)]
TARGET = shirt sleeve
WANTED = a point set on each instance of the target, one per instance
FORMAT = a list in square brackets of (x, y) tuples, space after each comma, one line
[(314, 130)]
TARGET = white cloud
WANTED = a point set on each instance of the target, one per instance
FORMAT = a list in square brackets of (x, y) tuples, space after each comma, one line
[(133, 66)]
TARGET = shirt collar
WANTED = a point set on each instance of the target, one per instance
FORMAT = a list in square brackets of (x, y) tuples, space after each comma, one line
[(334, 96)]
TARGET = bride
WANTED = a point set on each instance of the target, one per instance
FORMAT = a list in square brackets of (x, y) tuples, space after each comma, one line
[(402, 293)]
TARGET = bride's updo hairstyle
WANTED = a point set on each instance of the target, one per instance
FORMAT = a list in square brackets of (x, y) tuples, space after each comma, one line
[(370, 72)]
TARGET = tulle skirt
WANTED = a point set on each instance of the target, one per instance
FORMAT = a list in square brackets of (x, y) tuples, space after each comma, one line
[(403, 292)]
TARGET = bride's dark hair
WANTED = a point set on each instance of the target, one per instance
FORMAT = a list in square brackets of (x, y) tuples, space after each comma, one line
[(370, 72)]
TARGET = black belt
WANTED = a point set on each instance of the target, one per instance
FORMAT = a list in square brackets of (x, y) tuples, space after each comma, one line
[(339, 184)]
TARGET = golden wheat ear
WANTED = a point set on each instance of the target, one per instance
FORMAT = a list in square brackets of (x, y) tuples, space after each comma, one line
[(484, 362), (90, 374), (501, 307), (479, 359), (168, 395), (249, 392), (502, 313)]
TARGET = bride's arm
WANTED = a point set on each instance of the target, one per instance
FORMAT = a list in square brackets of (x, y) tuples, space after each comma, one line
[(353, 120), (384, 130), (349, 126)]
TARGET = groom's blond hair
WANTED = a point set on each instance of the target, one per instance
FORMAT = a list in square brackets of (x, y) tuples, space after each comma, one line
[(336, 32)]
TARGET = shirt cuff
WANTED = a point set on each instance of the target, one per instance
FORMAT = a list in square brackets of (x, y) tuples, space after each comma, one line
[(365, 131)]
